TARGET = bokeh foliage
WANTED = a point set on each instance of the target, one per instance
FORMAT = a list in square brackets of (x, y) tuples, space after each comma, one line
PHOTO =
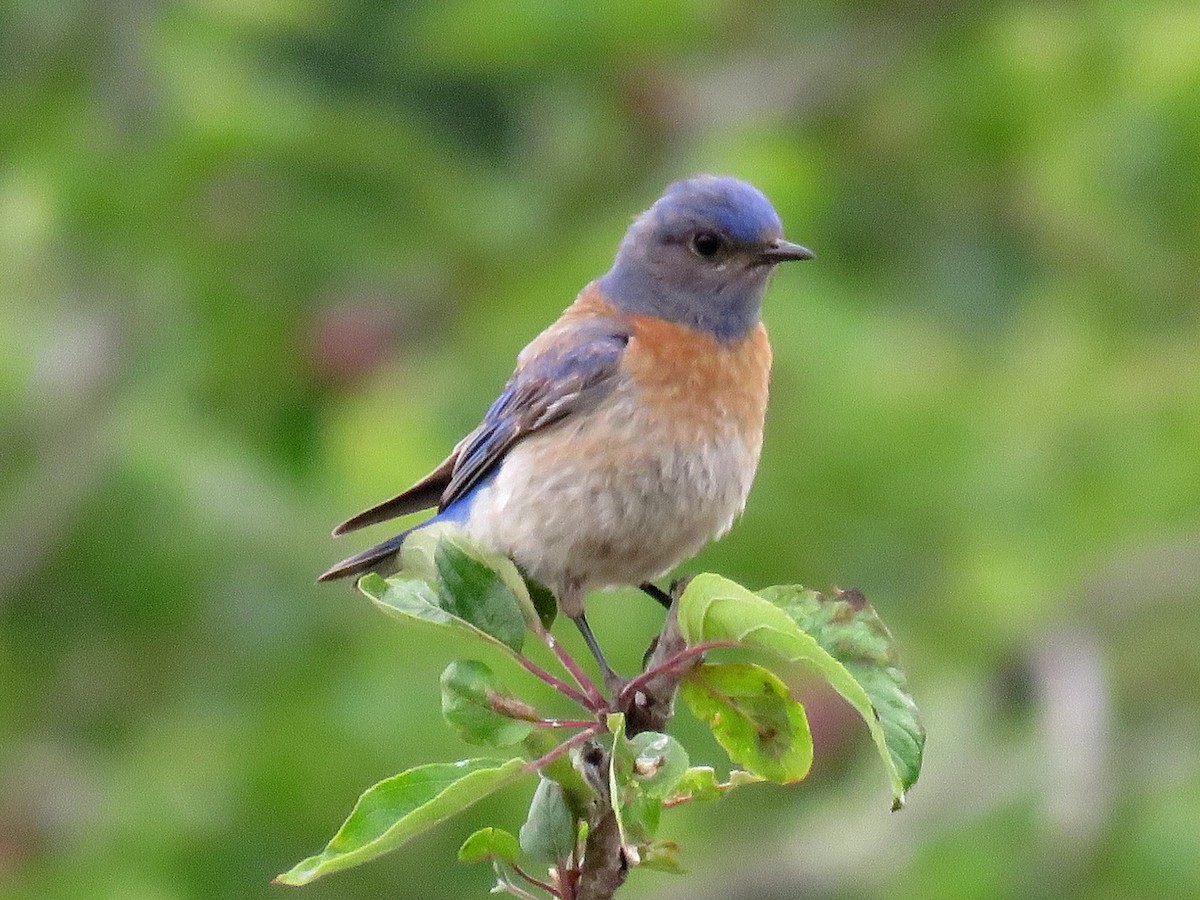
[(264, 263)]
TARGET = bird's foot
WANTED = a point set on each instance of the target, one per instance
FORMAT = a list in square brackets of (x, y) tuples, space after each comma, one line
[(657, 594)]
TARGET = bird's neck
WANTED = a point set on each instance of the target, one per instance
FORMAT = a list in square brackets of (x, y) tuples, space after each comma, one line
[(728, 317)]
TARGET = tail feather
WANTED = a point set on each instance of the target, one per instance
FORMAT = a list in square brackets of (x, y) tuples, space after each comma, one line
[(424, 494), (380, 558)]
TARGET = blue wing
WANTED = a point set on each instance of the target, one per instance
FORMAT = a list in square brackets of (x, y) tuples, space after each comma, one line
[(566, 372), (572, 372)]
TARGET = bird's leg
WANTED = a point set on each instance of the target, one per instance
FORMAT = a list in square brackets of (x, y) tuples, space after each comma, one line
[(657, 593), (614, 682), (570, 604)]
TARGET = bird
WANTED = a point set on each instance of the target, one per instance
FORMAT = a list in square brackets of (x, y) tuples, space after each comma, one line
[(629, 434)]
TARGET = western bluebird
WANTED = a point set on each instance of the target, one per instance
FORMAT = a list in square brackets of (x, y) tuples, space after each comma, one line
[(629, 434)]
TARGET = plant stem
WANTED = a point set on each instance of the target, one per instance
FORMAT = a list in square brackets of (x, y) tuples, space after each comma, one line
[(581, 678), (565, 747), (536, 882), (514, 889), (557, 683), (605, 866), (667, 665)]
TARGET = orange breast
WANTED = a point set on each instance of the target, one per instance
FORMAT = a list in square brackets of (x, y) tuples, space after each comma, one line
[(690, 378), (720, 386)]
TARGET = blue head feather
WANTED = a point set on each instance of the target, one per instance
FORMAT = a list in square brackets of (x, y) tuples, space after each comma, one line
[(736, 208), (659, 272)]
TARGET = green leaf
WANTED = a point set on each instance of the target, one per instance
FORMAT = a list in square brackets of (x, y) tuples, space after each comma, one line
[(849, 628), (419, 560), (616, 778), (640, 816), (578, 794), (418, 550), (548, 834), (658, 762), (715, 608), (447, 580), (405, 597), (477, 594), (661, 856), (490, 843), (403, 806), (543, 601), (642, 771), (700, 783), (423, 557), (753, 717), (471, 702)]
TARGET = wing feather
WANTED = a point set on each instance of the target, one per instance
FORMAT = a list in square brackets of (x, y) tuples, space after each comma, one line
[(565, 371), (566, 376), (425, 494)]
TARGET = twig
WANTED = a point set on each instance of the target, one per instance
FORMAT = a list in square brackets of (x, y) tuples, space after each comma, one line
[(558, 684), (605, 867), (648, 702), (509, 887), (565, 747), (669, 665), (581, 678), (536, 882)]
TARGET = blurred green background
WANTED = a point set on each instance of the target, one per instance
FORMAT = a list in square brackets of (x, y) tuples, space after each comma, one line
[(264, 262)]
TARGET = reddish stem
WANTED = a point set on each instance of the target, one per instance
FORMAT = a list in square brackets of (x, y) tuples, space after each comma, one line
[(568, 662), (667, 665), (557, 683), (567, 723), (536, 882), (566, 746)]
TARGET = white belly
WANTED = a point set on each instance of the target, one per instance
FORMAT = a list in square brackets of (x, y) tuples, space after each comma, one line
[(616, 498)]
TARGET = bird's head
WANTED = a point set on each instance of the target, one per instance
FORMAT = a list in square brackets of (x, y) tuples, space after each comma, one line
[(701, 256)]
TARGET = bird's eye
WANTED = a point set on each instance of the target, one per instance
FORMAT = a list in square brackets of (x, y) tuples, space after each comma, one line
[(706, 244)]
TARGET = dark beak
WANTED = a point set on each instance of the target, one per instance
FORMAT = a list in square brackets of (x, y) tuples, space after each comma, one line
[(781, 251)]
